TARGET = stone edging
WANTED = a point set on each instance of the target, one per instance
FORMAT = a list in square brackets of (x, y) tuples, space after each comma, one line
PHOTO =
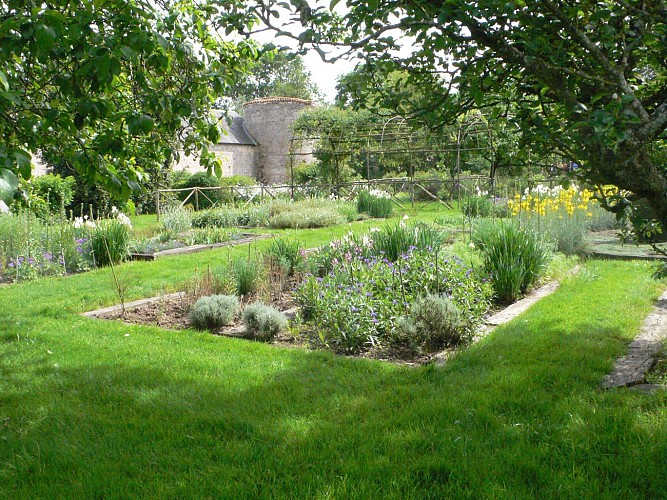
[(199, 248), (630, 370)]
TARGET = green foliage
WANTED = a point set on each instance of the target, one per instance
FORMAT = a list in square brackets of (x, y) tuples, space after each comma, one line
[(263, 322), (275, 74), (434, 322), (477, 206), (109, 241), (247, 273), (55, 191), (355, 296), (377, 205), (288, 253), (9, 184), (509, 62), (176, 219), (513, 256), (567, 234), (310, 213), (214, 311), (250, 216), (137, 91), (31, 247), (313, 218), (394, 240), (205, 198)]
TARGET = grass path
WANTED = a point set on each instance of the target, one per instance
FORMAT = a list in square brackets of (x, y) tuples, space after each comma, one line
[(90, 408)]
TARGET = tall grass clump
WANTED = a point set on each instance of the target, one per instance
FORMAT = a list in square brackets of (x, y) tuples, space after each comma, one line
[(213, 311), (394, 240), (110, 242), (247, 274), (514, 257), (375, 203), (286, 252)]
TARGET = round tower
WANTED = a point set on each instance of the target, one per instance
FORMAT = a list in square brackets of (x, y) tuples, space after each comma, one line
[(269, 120)]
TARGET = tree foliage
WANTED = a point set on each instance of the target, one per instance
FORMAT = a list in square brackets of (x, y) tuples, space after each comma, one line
[(274, 74), (586, 79), (114, 87)]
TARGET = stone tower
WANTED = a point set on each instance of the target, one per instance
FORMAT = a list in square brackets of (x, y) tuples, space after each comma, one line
[(269, 120)]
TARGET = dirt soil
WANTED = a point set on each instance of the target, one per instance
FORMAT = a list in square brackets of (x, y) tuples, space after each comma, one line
[(172, 313)]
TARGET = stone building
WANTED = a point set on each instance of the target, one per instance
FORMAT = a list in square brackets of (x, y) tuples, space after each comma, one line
[(257, 144)]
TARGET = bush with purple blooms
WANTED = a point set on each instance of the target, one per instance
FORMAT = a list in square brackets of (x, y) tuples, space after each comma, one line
[(356, 304)]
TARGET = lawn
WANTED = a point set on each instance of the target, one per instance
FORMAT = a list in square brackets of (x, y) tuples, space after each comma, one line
[(92, 408)]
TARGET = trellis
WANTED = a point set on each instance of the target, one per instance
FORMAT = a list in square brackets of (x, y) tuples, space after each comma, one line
[(396, 137)]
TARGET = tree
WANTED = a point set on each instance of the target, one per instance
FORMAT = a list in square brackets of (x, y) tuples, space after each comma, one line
[(588, 79), (114, 87), (275, 73)]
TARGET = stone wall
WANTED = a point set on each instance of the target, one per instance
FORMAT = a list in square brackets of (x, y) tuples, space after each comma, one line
[(237, 159), (270, 123)]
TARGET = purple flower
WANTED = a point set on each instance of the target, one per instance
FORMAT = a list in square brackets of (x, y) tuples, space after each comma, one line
[(48, 256)]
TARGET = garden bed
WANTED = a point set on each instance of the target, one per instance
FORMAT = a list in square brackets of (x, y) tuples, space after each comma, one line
[(171, 312), (243, 238)]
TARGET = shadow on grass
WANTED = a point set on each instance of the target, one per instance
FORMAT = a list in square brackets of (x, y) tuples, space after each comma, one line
[(509, 417)]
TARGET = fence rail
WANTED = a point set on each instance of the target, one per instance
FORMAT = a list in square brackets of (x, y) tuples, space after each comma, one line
[(433, 190)]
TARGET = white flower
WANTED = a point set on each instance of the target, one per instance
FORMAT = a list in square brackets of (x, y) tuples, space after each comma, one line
[(78, 222), (374, 230), (114, 210), (90, 224), (471, 245), (406, 217), (124, 219)]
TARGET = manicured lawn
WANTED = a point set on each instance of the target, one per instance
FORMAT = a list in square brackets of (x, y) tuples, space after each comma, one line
[(91, 408)]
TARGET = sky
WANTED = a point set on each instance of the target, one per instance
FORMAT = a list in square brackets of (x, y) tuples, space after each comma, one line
[(324, 74)]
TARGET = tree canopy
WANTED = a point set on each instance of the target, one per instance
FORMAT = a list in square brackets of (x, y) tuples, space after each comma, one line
[(585, 79), (275, 73), (113, 86)]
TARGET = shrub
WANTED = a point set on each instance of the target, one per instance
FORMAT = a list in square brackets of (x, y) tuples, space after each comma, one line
[(252, 216), (288, 253), (355, 304), (176, 220), (514, 257), (110, 242), (213, 311), (310, 213), (376, 204), (56, 191), (312, 218), (263, 322), (434, 322)]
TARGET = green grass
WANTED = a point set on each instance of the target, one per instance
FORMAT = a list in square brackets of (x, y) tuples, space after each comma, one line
[(92, 408)]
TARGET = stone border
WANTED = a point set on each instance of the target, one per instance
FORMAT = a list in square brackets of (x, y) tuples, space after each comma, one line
[(236, 331), (631, 369), (199, 248), (129, 306)]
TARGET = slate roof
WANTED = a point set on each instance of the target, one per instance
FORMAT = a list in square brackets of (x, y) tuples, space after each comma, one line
[(234, 131)]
